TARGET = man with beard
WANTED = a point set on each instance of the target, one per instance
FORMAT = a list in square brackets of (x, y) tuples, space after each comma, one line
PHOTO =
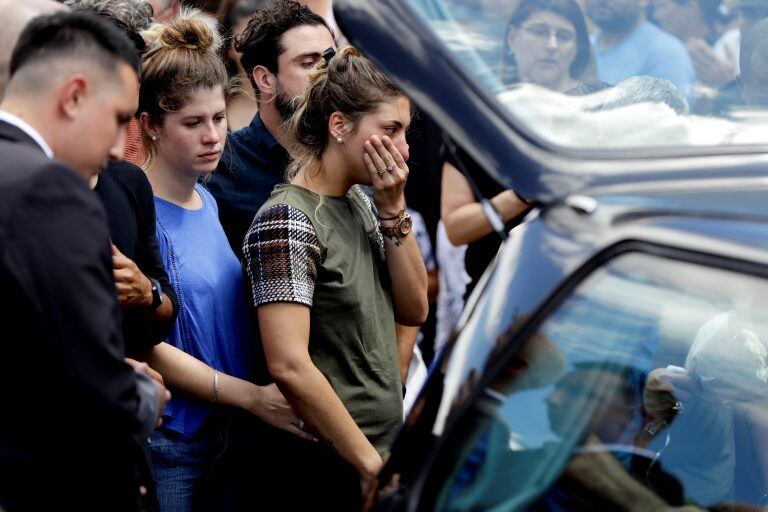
[(279, 47), (629, 45)]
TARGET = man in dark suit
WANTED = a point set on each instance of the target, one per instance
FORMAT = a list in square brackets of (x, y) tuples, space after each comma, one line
[(73, 412)]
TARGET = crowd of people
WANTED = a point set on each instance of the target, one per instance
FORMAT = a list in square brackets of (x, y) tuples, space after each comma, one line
[(580, 46), (213, 204)]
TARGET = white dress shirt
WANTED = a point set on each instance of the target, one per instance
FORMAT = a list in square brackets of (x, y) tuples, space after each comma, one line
[(26, 128)]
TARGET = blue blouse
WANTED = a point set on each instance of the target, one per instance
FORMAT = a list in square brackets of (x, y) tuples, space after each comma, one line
[(213, 324)]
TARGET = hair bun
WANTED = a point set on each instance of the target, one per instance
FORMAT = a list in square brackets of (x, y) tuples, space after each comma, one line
[(343, 58), (190, 30), (349, 51)]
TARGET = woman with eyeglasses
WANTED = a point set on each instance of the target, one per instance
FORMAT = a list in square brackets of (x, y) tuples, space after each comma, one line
[(547, 44)]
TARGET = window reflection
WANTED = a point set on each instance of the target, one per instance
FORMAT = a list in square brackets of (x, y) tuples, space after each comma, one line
[(646, 387), (547, 44), (682, 72)]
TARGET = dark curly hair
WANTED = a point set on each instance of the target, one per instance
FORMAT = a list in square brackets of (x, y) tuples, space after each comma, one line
[(260, 43)]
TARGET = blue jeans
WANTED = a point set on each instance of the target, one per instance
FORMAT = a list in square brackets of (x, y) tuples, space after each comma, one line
[(180, 465)]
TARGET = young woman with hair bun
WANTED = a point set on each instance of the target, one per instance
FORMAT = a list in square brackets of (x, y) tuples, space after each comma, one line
[(329, 280), (208, 359)]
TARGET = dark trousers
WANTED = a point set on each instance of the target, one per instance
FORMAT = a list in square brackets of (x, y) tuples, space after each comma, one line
[(265, 469)]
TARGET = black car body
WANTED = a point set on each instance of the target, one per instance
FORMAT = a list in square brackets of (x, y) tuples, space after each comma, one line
[(612, 359), (541, 267)]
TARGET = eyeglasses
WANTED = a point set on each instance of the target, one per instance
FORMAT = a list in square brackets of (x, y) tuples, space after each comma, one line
[(544, 33)]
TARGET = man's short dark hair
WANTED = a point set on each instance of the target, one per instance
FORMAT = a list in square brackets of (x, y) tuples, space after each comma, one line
[(754, 41), (73, 34), (260, 42)]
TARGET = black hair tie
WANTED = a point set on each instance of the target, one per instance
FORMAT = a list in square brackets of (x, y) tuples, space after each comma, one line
[(328, 54)]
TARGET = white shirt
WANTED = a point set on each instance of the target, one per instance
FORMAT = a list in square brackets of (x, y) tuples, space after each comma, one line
[(453, 280), (26, 128)]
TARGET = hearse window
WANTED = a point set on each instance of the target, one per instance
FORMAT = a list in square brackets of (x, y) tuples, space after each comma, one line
[(646, 387)]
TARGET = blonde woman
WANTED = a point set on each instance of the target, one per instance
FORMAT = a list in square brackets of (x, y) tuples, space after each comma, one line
[(329, 280)]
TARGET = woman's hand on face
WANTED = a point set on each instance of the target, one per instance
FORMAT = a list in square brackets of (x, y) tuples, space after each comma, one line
[(270, 405), (389, 173)]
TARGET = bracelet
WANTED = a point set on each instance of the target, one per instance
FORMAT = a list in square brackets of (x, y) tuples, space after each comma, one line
[(399, 214), (215, 385)]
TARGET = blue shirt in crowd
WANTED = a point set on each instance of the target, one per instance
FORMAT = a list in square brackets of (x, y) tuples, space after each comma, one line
[(213, 323), (648, 50), (252, 164)]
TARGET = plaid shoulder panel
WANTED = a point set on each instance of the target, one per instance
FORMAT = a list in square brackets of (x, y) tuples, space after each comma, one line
[(282, 252)]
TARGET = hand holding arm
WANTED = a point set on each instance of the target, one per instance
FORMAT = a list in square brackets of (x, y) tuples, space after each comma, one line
[(134, 289), (194, 378), (163, 395)]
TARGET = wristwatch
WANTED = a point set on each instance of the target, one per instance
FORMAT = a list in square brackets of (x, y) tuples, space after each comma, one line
[(157, 293), (400, 229)]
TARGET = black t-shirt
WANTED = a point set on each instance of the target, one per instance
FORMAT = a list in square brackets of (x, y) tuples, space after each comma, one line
[(127, 196), (481, 252)]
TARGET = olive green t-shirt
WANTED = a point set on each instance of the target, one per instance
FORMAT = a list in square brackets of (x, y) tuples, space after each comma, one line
[(327, 253)]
